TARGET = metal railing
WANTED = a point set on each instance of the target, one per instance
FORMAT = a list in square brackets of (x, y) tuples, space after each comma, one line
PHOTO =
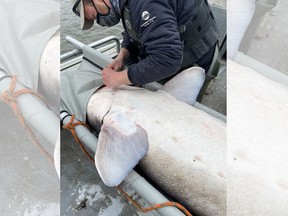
[(94, 44)]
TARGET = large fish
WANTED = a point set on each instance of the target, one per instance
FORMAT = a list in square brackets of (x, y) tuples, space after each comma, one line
[(187, 147)]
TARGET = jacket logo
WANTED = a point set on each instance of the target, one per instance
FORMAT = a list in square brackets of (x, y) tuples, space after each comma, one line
[(145, 15), (146, 18)]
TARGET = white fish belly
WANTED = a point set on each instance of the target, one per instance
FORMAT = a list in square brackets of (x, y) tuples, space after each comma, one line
[(187, 147), (257, 174)]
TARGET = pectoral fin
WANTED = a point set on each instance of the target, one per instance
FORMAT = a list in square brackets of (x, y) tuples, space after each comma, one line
[(121, 145), (186, 85)]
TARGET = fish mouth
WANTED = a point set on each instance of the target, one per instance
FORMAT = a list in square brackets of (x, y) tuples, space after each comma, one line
[(99, 88)]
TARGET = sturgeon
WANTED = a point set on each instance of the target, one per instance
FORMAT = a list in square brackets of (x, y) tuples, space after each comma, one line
[(184, 147)]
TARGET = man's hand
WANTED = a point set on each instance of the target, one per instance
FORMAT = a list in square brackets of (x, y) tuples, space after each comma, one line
[(116, 65), (112, 78)]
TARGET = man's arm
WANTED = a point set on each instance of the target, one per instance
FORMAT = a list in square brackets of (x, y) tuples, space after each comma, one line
[(160, 39), (112, 78)]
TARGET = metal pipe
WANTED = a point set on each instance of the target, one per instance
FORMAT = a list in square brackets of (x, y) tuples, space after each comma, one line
[(154, 86), (134, 180), (34, 111), (82, 132), (261, 68), (150, 194), (79, 45), (210, 111), (75, 42)]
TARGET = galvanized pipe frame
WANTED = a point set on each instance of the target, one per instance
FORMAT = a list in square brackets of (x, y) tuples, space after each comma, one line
[(261, 68), (95, 44)]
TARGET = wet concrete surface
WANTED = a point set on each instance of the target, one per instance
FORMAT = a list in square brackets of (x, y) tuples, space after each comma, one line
[(215, 95), (270, 43), (29, 183), (82, 191)]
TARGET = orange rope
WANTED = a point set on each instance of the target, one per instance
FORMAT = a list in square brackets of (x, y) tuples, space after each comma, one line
[(71, 126), (154, 207), (10, 98)]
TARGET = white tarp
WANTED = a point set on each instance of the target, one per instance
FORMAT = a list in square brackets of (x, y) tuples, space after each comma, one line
[(77, 87), (26, 26)]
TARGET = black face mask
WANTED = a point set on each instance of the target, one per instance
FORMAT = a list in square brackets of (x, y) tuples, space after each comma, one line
[(110, 19)]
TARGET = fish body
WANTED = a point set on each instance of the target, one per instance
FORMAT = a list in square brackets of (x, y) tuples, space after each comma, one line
[(186, 150)]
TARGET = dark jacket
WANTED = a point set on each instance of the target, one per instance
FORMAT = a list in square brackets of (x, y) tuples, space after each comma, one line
[(157, 24)]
